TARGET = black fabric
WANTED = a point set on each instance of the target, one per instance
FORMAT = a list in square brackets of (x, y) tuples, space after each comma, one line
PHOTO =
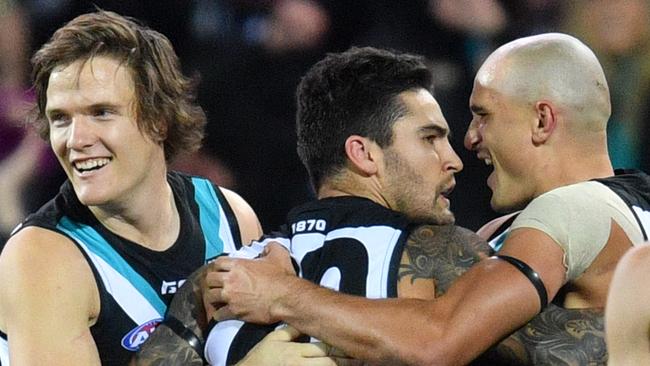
[(633, 186), (341, 235), (165, 271)]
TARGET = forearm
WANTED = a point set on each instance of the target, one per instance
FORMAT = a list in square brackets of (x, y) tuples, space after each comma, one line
[(453, 329), (377, 331), (167, 346), (557, 336), (164, 347)]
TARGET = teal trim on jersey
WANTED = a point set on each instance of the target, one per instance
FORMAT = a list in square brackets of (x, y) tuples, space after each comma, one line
[(100, 247), (208, 202), (497, 242)]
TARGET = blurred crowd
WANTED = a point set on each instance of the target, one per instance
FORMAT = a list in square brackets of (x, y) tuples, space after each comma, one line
[(249, 56)]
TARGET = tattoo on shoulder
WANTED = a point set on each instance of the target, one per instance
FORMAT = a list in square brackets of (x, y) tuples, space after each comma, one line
[(442, 253), (164, 346)]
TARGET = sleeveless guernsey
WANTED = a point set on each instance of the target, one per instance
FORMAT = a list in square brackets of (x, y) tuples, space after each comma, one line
[(136, 284), (348, 244)]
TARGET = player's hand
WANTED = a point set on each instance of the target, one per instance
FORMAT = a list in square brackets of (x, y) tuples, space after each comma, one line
[(246, 289), (277, 348)]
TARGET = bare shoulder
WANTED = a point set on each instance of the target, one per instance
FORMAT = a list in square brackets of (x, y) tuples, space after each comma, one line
[(39, 260), (441, 253), (249, 225), (44, 273), (36, 251)]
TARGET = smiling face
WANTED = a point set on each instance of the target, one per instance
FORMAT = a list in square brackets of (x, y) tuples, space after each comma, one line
[(420, 163), (93, 132), (500, 135)]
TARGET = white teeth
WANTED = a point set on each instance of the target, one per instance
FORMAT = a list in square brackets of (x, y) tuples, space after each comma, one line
[(91, 163), (488, 162)]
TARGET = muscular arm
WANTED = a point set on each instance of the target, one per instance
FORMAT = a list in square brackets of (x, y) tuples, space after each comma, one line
[(557, 336), (164, 346), (48, 299), (441, 253), (392, 331)]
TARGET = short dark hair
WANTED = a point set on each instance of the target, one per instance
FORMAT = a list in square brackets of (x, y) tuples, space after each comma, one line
[(348, 93), (165, 101)]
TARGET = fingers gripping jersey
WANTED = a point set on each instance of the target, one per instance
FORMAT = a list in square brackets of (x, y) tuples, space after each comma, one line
[(348, 244), (137, 284)]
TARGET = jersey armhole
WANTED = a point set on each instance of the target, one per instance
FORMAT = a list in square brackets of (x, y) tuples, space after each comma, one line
[(230, 216)]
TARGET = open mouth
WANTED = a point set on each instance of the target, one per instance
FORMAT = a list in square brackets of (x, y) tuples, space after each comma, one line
[(88, 165), (447, 191), (487, 159)]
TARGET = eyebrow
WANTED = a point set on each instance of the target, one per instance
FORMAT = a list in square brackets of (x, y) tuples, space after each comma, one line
[(50, 112), (438, 130), (92, 107)]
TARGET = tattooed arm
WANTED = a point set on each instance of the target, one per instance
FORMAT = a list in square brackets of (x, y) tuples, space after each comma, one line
[(164, 346), (438, 253), (557, 336)]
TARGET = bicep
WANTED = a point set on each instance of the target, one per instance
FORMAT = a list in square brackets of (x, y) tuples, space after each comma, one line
[(48, 297), (542, 254), (488, 302)]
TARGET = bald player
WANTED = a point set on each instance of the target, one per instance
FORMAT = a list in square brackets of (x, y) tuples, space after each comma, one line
[(540, 107)]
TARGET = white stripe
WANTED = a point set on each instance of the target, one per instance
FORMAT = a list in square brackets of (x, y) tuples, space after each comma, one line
[(224, 232), (134, 304), (4, 352), (379, 241), (218, 343)]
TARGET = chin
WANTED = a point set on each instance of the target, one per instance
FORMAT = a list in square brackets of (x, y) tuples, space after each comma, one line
[(505, 207), (91, 198)]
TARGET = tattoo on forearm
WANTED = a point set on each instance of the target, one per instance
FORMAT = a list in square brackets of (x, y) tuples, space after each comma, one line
[(441, 253), (164, 347), (557, 336)]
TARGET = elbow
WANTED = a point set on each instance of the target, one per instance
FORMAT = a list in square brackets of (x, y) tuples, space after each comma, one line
[(425, 350), (432, 354)]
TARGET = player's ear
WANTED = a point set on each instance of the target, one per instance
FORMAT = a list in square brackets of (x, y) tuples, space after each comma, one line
[(362, 154), (545, 124)]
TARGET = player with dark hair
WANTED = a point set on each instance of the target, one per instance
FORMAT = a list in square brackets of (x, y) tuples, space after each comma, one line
[(376, 145), (540, 107)]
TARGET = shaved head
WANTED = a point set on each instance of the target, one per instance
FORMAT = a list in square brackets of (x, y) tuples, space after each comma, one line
[(554, 67)]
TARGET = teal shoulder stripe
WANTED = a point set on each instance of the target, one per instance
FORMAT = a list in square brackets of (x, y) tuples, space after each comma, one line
[(208, 203), (99, 246), (497, 242)]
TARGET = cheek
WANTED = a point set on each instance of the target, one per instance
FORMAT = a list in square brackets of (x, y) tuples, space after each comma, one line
[(58, 142)]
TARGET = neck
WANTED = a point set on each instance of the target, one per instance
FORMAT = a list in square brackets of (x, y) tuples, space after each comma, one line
[(351, 188), (580, 167), (148, 217)]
